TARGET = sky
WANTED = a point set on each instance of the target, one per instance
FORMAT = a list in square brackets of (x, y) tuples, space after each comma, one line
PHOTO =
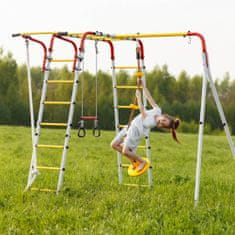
[(215, 19)]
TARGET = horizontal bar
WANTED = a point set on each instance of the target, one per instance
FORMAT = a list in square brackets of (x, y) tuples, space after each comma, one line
[(139, 74), (61, 60), (128, 106), (50, 146), (43, 190), (47, 168), (122, 126), (57, 102), (60, 81), (129, 87), (52, 124), (137, 185), (148, 35), (141, 147), (125, 165), (88, 118), (125, 67)]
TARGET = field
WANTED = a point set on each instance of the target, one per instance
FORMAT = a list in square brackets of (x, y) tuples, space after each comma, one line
[(92, 201)]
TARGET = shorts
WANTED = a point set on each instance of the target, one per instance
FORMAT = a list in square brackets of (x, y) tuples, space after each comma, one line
[(120, 136), (129, 136)]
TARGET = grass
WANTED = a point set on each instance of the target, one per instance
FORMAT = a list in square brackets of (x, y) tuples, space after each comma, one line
[(92, 201)]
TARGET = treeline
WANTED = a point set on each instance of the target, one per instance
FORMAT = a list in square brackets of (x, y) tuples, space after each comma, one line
[(179, 96)]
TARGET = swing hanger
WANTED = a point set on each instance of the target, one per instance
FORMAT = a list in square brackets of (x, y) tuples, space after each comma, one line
[(81, 124)]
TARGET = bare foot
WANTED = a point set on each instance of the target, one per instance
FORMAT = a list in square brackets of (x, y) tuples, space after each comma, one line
[(141, 166), (134, 164)]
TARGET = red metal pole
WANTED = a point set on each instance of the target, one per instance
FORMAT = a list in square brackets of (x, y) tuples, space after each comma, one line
[(203, 42), (44, 49), (81, 48)]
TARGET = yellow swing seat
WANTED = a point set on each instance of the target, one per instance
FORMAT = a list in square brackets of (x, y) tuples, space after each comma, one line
[(133, 172)]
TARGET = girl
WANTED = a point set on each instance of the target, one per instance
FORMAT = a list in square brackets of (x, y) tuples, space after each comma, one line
[(128, 138)]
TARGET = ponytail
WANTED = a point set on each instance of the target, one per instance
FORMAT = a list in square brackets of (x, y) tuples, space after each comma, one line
[(174, 126)]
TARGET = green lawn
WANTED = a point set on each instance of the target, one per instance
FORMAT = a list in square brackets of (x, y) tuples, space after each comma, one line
[(92, 201)]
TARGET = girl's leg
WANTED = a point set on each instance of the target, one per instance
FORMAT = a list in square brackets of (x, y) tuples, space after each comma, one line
[(118, 146), (133, 157)]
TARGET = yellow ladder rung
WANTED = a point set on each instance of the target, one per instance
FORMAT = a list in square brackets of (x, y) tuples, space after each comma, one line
[(125, 67), (141, 147), (48, 168), (61, 60), (57, 102), (137, 185), (60, 81), (43, 190), (139, 74), (131, 106), (50, 146), (121, 126), (125, 165), (129, 87), (52, 124)]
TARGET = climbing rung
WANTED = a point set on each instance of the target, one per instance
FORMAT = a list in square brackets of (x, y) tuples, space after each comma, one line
[(53, 124), (139, 74), (50, 146), (129, 87), (125, 165), (60, 81), (141, 147), (88, 118), (57, 102), (131, 106), (121, 126), (61, 60), (48, 168), (137, 185), (125, 67), (43, 190)]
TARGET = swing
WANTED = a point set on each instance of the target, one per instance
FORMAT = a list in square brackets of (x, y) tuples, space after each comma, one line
[(81, 124), (133, 172)]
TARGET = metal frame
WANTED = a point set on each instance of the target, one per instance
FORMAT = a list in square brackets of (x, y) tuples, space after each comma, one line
[(206, 79)]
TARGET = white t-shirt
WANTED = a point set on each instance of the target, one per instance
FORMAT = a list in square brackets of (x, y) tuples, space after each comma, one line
[(144, 125)]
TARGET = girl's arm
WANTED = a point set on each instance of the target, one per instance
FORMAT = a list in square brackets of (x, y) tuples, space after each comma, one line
[(139, 102), (150, 98)]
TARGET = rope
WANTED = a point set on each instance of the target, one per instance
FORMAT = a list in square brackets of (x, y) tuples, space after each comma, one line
[(96, 78)]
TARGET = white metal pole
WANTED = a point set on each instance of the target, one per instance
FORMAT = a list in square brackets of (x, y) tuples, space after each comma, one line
[(116, 118), (30, 90), (33, 166), (201, 130), (147, 140), (221, 112)]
